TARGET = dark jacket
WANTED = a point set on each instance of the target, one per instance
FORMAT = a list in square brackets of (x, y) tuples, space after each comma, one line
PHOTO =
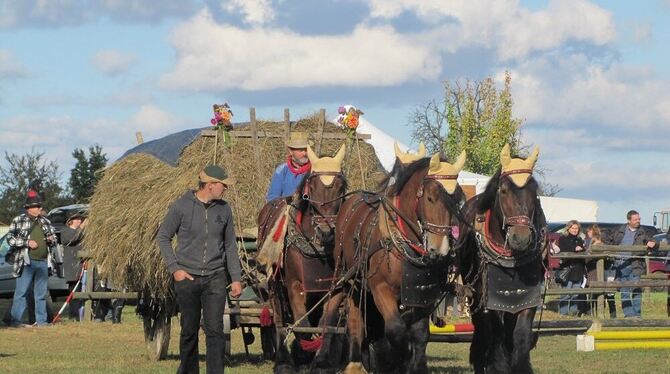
[(568, 243), (206, 242), (641, 237), (71, 240)]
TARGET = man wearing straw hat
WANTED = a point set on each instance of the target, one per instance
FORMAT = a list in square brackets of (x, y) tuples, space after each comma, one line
[(288, 175), (206, 247), (71, 237)]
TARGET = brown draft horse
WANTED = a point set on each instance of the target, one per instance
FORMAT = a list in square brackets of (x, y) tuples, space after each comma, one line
[(501, 263), (396, 248), (305, 271)]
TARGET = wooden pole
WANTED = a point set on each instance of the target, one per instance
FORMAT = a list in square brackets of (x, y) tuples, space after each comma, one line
[(254, 132), (287, 123), (319, 132), (90, 281), (600, 277)]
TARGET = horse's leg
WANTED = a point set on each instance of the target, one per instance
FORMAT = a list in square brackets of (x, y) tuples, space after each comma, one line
[(328, 357), (523, 342), (298, 302), (481, 340), (487, 351), (419, 334), (395, 329), (283, 363), (356, 328)]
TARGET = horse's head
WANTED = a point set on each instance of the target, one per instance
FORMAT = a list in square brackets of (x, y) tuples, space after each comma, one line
[(517, 199), (427, 192), (323, 188), (438, 200)]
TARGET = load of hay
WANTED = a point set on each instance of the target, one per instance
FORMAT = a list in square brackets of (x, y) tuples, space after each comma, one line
[(135, 192)]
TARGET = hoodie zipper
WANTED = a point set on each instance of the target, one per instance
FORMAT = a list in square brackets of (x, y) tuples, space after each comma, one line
[(204, 254)]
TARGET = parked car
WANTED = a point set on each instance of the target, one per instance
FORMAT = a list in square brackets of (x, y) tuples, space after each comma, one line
[(556, 229)]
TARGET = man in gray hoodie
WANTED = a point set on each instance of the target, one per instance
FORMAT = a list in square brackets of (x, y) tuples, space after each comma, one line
[(206, 247)]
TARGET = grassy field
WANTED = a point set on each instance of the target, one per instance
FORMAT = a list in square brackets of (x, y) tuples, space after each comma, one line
[(102, 347)]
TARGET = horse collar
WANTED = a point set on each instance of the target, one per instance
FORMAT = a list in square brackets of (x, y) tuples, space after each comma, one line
[(501, 249)]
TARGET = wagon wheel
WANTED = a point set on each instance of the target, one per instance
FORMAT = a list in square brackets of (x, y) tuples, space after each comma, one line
[(157, 335)]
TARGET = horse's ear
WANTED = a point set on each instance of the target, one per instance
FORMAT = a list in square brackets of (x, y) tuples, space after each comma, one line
[(460, 162), (397, 150), (532, 159), (339, 157), (434, 163), (505, 157), (422, 150), (311, 155)]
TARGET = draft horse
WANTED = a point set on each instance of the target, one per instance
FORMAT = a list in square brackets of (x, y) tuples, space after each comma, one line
[(501, 265), (396, 248), (303, 270)]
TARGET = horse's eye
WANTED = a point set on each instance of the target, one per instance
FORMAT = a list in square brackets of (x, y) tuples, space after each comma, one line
[(431, 199)]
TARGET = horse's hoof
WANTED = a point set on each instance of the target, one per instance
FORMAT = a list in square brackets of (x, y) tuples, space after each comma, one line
[(355, 368)]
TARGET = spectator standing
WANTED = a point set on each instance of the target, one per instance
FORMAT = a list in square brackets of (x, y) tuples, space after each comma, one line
[(571, 242), (288, 175), (32, 240), (206, 248), (71, 236), (628, 268)]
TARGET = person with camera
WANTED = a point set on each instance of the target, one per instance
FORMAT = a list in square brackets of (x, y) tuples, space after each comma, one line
[(32, 241), (573, 270)]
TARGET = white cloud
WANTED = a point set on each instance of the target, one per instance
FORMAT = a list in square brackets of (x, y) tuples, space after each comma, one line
[(112, 62), (503, 25), (218, 57), (571, 89), (9, 68), (153, 121), (256, 12)]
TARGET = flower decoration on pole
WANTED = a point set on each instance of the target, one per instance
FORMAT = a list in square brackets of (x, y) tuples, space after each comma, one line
[(222, 116), (348, 119)]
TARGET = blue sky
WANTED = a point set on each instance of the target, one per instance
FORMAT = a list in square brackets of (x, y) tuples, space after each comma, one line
[(590, 78)]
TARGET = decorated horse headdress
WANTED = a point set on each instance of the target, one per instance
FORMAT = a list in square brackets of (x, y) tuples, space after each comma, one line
[(518, 169), (326, 167), (445, 173), (409, 157)]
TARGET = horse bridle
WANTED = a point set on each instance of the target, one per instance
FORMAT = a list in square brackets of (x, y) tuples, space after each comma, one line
[(518, 220), (423, 226), (320, 219)]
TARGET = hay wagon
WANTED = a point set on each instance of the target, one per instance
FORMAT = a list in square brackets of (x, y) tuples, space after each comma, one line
[(135, 192)]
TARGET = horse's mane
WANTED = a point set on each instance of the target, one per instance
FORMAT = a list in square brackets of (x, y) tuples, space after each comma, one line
[(403, 175), (487, 198), (406, 174), (384, 183)]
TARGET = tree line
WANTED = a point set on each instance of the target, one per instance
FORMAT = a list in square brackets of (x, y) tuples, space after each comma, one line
[(20, 171)]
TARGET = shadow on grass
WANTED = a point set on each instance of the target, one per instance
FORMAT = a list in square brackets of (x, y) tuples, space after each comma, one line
[(233, 360), (3, 355)]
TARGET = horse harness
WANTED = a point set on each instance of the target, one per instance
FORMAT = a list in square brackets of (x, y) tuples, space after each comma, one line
[(511, 282)]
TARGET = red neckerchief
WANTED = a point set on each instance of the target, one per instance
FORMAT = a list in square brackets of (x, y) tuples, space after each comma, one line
[(300, 170)]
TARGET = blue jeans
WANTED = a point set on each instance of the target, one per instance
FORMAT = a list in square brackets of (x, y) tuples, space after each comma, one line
[(35, 275), (570, 304), (209, 294), (631, 298)]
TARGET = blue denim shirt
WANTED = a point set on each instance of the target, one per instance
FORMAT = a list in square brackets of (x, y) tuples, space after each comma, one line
[(283, 183)]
